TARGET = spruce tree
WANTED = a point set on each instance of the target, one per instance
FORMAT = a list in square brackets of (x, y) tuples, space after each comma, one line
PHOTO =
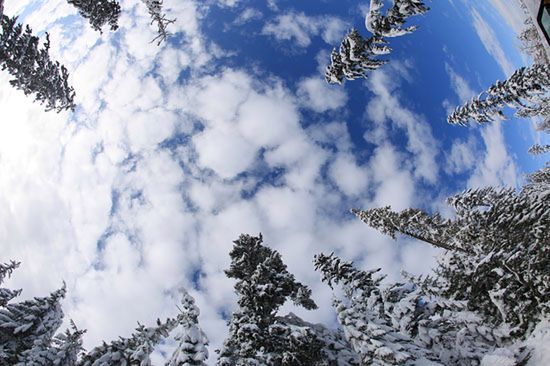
[(192, 348), (527, 90), (537, 149), (155, 11), (134, 350), (26, 324), (32, 68), (256, 336), (391, 24), (98, 12), (6, 270), (498, 235), (402, 324), (366, 315), (61, 350), (357, 56)]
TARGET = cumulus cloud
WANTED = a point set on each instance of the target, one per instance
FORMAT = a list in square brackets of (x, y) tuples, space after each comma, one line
[(300, 28)]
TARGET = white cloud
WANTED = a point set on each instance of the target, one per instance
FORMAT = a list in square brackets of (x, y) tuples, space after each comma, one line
[(248, 15), (348, 176), (460, 86), (386, 107), (495, 167), (300, 28), (317, 95), (511, 12), (491, 43), (462, 156)]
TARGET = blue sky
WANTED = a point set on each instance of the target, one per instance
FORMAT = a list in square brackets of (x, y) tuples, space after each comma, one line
[(229, 127)]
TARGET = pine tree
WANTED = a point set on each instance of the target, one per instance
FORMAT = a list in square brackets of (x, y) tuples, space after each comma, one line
[(26, 324), (98, 12), (391, 25), (498, 235), (155, 11), (527, 90), (31, 67), (192, 348), (256, 337), (134, 350)]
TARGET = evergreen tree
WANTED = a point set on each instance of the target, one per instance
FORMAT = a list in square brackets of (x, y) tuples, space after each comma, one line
[(6, 270), (26, 324), (98, 12), (192, 348), (537, 149), (256, 336), (357, 55), (356, 58), (498, 235), (400, 324), (134, 350), (62, 350), (527, 90), (391, 25), (336, 350), (366, 315), (155, 11), (31, 67)]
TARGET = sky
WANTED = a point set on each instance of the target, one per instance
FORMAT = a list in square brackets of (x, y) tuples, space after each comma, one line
[(229, 128)]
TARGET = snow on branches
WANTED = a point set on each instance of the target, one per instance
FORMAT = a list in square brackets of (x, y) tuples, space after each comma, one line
[(527, 90), (357, 56)]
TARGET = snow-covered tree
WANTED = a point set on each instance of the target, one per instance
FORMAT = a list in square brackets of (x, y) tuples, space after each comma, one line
[(498, 235), (527, 90), (263, 285), (155, 11), (26, 324), (336, 350), (531, 42), (134, 350), (400, 324), (98, 12), (6, 270), (537, 149), (32, 68), (192, 348), (391, 24), (357, 56), (366, 315), (62, 350)]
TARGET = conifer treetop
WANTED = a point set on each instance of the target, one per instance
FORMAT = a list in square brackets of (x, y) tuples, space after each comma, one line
[(33, 70), (99, 12)]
